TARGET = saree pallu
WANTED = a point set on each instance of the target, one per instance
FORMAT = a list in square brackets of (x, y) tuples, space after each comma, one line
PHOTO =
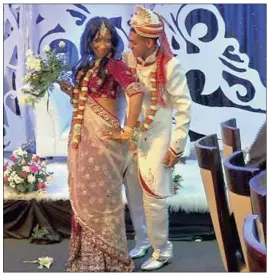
[(98, 240)]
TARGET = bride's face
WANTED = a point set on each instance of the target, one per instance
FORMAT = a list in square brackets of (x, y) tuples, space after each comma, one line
[(102, 44)]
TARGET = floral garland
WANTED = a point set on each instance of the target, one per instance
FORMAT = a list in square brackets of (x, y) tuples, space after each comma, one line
[(80, 96), (78, 100), (154, 99), (153, 107)]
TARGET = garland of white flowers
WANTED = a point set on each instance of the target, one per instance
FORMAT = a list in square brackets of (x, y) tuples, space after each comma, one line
[(153, 107), (79, 98), (154, 99)]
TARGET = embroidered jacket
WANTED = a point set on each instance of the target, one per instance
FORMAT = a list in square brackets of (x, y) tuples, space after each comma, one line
[(176, 94)]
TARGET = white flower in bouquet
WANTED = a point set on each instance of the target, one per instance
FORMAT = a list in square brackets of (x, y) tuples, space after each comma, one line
[(29, 53), (31, 178), (13, 173), (7, 170), (26, 168), (33, 63), (18, 179), (43, 72), (11, 176), (19, 152), (47, 49), (62, 44), (6, 173), (43, 164), (25, 173), (12, 184)]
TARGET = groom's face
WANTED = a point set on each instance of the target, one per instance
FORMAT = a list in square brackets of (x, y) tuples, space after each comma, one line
[(138, 44)]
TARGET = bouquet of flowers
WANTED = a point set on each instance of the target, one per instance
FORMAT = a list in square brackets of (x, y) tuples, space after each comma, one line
[(26, 172), (43, 72)]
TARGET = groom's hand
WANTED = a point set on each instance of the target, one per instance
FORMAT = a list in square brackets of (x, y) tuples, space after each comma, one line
[(170, 160)]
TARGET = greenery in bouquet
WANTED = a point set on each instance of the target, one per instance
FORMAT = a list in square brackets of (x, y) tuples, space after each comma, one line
[(26, 172), (43, 72)]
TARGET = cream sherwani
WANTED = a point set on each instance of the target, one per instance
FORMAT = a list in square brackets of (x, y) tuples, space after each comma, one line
[(147, 181)]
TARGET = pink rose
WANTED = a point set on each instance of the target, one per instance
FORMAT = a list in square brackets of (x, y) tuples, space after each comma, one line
[(5, 179), (34, 168), (41, 185), (36, 158), (13, 158)]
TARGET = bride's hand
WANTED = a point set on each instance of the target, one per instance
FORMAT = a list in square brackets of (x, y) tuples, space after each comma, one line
[(109, 133), (115, 134), (65, 87)]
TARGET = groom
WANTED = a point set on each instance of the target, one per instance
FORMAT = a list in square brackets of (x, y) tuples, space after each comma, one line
[(148, 179)]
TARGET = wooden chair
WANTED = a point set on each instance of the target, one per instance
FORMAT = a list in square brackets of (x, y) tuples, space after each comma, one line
[(256, 252), (258, 185), (237, 178), (230, 137), (209, 161), (257, 151)]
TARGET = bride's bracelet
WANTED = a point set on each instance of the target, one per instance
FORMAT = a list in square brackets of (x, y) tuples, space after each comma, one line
[(126, 134), (129, 129), (130, 133)]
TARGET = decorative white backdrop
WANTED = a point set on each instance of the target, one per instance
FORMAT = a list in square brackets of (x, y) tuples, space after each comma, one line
[(34, 26)]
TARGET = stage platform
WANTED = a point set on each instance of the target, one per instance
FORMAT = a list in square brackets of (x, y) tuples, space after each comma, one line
[(189, 217)]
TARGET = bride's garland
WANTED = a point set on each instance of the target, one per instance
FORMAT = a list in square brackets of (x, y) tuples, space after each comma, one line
[(79, 98)]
